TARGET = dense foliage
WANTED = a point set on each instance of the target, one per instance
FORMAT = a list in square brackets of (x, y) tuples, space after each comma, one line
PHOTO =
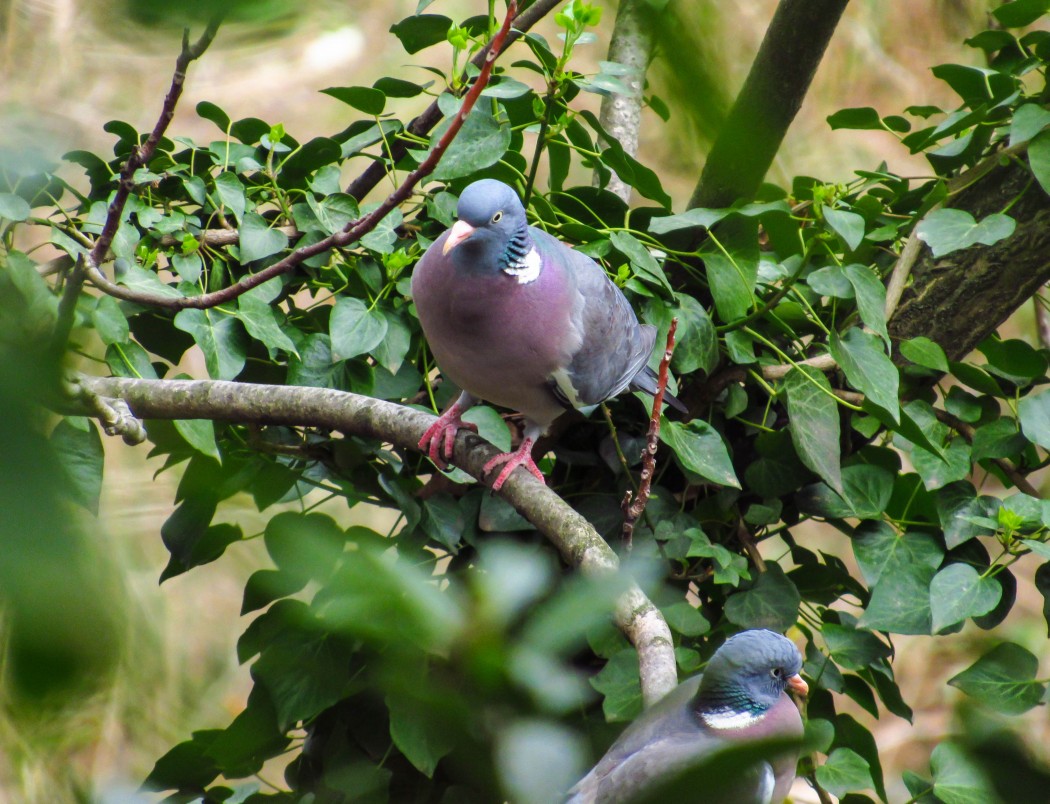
[(451, 657)]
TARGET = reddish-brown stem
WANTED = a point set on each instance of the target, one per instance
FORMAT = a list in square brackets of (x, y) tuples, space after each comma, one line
[(431, 116), (353, 231), (141, 155), (633, 505)]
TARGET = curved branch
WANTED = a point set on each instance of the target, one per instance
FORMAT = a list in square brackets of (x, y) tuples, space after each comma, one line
[(352, 232), (431, 116), (573, 536), (621, 115), (769, 100)]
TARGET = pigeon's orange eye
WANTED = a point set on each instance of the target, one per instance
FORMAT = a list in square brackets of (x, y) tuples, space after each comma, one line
[(497, 216)]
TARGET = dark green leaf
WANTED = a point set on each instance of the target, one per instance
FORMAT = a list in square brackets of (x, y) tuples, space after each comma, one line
[(642, 260), (871, 298), (847, 225), (697, 341), (772, 602), (853, 648), (1034, 413), (220, 337), (880, 551), (957, 779), (700, 450), (480, 143), (814, 416), (78, 447), (422, 738), (421, 31), (199, 434), (959, 591), (900, 601), (862, 118), (1003, 679), (1028, 121), (843, 772), (1020, 13), (924, 352), (619, 683), (355, 328), (258, 240), (364, 99), (868, 369)]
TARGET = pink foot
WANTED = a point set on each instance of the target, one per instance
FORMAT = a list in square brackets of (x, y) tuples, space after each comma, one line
[(439, 440), (522, 456)]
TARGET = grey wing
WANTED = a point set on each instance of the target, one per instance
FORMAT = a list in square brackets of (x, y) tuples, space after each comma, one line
[(614, 347)]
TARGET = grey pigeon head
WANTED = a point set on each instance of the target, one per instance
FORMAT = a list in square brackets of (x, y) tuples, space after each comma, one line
[(750, 671), (492, 230)]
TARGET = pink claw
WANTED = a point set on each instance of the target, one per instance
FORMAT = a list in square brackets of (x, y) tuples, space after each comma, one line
[(439, 440), (522, 456)]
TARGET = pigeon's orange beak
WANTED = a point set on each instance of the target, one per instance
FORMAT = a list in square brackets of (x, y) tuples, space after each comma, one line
[(798, 686), (459, 232)]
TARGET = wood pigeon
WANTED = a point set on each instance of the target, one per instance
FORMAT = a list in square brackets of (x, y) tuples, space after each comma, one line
[(740, 696), (520, 320)]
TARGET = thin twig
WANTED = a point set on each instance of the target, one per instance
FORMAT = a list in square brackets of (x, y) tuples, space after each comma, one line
[(743, 535), (902, 269), (1008, 469), (633, 505), (351, 233), (821, 363), (431, 116)]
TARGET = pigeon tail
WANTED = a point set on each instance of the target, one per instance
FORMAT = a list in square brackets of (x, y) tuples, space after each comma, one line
[(646, 379)]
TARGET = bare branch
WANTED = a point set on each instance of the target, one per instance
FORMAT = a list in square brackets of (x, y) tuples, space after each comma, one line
[(820, 362), (351, 233), (573, 536), (431, 116), (621, 115), (633, 505), (967, 431)]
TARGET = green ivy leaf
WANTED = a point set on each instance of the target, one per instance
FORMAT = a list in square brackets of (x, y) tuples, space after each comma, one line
[(620, 685), (862, 118), (481, 143), (926, 353), (421, 31), (1020, 13), (853, 648), (843, 772), (948, 230), (258, 240), (900, 601), (1028, 121), (868, 369), (418, 733), (700, 449), (231, 195), (259, 318), (957, 779), (355, 328), (959, 591), (365, 99), (220, 337), (814, 416), (13, 208), (1034, 413), (880, 551), (1003, 679), (642, 260), (697, 341), (78, 447), (871, 298), (772, 602), (847, 225), (199, 434)]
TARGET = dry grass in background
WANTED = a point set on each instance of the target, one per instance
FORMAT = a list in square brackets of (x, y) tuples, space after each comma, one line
[(68, 66)]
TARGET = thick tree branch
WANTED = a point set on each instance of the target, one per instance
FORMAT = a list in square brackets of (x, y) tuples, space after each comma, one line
[(351, 233), (621, 115), (576, 540), (769, 100), (960, 299), (431, 116)]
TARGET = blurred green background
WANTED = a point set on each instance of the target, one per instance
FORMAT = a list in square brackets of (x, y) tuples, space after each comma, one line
[(104, 670)]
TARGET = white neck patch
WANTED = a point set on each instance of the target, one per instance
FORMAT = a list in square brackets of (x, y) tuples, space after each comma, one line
[(728, 719), (527, 269)]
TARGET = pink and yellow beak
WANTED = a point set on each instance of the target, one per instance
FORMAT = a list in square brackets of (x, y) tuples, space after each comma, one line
[(459, 232), (798, 686)]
